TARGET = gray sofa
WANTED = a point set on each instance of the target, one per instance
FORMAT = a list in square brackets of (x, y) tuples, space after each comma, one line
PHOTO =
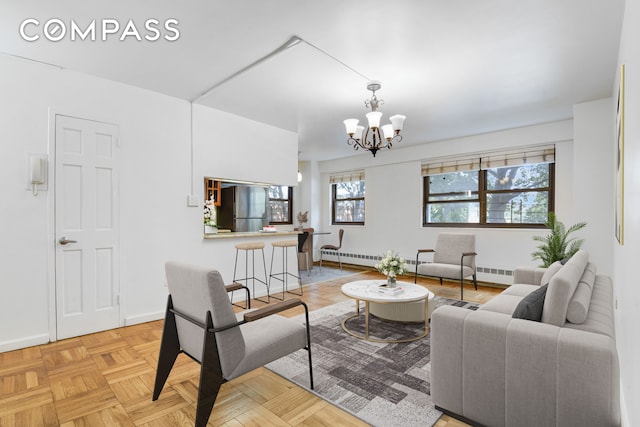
[(491, 369)]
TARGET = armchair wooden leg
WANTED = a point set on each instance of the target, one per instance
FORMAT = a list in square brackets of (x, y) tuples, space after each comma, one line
[(461, 280), (475, 282), (169, 350), (211, 378)]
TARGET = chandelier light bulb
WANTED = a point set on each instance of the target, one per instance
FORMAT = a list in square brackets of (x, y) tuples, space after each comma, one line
[(387, 130), (397, 121), (374, 119), (351, 125), (359, 132)]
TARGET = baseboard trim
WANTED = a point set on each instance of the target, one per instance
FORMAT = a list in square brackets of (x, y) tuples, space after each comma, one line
[(459, 417), (143, 318), (24, 342)]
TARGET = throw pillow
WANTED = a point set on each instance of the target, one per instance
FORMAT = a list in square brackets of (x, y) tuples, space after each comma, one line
[(579, 303), (551, 271), (530, 308)]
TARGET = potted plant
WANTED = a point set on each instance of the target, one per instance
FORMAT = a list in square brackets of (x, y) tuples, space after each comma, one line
[(557, 245)]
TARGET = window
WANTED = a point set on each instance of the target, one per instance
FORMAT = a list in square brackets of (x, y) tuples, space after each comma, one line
[(280, 203), (452, 198), (347, 194), (518, 192)]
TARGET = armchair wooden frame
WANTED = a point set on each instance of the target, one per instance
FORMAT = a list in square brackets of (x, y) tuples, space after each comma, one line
[(235, 286), (462, 276), (211, 376)]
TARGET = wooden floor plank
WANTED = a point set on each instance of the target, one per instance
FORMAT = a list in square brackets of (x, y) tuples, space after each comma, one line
[(36, 416), (295, 406), (84, 404), (107, 417), (107, 378), (25, 401)]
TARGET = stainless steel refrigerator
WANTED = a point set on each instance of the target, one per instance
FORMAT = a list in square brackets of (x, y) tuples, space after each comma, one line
[(244, 208)]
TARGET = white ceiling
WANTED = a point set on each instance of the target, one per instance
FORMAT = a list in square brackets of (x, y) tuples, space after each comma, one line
[(454, 68)]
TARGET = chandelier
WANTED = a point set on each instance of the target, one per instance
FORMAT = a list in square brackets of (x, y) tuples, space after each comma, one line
[(370, 138)]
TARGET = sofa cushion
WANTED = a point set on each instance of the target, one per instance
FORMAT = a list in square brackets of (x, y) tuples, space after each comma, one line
[(530, 308), (579, 303), (502, 303), (551, 271), (520, 290), (561, 288), (448, 271)]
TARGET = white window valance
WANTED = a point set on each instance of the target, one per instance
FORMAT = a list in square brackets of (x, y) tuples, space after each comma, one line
[(546, 154), (347, 177), (451, 165), (493, 159)]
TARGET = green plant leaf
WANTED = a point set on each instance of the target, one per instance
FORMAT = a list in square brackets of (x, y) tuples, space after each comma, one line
[(557, 245)]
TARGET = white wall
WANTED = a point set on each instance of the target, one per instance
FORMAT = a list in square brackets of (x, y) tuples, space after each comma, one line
[(593, 178), (232, 147), (394, 197), (156, 177), (626, 257), (307, 198)]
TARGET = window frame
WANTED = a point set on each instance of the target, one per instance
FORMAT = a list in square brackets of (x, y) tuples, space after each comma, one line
[(289, 200), (334, 199), (482, 193)]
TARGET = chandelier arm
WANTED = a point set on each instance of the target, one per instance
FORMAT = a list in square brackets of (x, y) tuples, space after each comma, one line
[(365, 137), (354, 142), (396, 138), (381, 141)]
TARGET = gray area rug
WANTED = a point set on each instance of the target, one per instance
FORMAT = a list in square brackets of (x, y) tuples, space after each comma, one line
[(324, 274), (383, 384)]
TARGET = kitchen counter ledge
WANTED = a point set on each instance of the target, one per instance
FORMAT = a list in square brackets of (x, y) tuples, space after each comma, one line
[(240, 234)]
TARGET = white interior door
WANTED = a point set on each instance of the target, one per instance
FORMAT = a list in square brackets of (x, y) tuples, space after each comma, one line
[(86, 218)]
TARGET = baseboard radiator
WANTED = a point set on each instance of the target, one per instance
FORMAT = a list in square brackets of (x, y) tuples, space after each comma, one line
[(500, 275)]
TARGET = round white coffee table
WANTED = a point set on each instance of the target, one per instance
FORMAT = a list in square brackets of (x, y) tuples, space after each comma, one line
[(368, 291)]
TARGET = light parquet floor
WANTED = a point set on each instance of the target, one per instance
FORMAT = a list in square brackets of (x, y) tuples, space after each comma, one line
[(106, 379)]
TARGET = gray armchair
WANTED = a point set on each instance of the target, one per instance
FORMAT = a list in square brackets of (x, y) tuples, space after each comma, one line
[(453, 258), (200, 322)]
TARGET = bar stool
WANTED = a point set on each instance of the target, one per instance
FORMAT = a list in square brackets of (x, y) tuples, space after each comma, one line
[(251, 246), (284, 244)]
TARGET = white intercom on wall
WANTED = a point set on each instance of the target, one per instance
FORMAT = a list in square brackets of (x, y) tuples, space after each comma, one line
[(36, 172)]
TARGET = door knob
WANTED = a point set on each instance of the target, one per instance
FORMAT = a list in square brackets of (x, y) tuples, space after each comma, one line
[(65, 241)]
